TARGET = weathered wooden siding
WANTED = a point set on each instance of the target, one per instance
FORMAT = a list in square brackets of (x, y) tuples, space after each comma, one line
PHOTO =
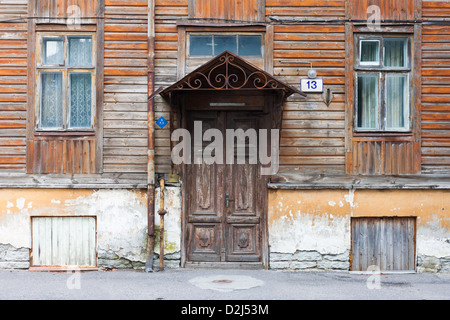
[(312, 137), (125, 90), (48, 10), (13, 85), (389, 10), (435, 115), (168, 69), (385, 243), (62, 155), (306, 9), (241, 10), (381, 156)]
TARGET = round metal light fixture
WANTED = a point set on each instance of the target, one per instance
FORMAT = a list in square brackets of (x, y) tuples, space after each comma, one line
[(312, 74)]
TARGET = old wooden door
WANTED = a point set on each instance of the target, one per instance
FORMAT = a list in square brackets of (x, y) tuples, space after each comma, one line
[(225, 202), (387, 243)]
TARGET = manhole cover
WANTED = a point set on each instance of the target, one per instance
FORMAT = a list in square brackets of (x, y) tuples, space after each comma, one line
[(222, 281), (226, 283)]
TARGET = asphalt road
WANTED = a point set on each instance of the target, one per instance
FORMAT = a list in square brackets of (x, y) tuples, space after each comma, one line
[(231, 285)]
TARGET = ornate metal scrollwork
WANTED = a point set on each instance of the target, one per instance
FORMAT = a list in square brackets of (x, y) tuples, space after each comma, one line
[(228, 75)]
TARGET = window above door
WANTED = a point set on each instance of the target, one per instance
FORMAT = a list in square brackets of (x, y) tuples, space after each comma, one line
[(213, 44)]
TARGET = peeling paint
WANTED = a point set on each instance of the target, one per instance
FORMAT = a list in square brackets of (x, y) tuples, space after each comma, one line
[(320, 220), (121, 217)]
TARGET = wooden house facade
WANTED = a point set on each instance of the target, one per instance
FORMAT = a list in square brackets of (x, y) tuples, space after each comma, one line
[(362, 178)]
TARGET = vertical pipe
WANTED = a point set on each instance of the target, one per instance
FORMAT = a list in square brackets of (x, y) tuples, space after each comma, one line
[(161, 212), (151, 138)]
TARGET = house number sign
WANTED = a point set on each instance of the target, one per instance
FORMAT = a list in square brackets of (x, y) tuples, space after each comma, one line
[(312, 85)]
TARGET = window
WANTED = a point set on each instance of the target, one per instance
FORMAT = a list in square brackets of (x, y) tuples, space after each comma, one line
[(382, 84), (65, 76), (209, 45)]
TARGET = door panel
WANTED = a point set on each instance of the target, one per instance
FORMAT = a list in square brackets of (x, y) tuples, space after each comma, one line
[(243, 185), (204, 198)]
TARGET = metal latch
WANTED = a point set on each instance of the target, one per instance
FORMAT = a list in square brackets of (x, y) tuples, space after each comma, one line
[(227, 201)]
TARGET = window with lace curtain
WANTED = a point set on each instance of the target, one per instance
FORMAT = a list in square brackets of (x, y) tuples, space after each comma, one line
[(65, 78), (383, 83)]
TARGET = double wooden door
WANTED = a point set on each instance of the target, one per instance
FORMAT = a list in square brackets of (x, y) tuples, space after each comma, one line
[(225, 202)]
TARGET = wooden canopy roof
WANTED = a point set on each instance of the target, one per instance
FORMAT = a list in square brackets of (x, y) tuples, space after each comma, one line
[(228, 71)]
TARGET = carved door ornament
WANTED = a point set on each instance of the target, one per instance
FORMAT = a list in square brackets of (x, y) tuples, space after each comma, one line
[(244, 239)]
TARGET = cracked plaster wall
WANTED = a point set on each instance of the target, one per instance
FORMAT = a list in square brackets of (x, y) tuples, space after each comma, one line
[(121, 222)]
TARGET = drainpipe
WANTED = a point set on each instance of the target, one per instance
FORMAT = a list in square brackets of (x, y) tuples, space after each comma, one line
[(151, 138), (161, 213)]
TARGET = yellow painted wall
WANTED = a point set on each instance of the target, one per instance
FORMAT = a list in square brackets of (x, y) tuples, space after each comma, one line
[(320, 220), (428, 205)]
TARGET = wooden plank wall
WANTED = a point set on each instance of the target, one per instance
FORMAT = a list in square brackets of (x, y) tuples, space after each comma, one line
[(125, 90), (381, 156), (313, 136), (13, 85), (389, 9), (241, 10), (48, 10), (435, 89), (387, 243), (166, 73)]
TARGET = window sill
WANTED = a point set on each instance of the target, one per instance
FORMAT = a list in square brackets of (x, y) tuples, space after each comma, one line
[(64, 133), (381, 134)]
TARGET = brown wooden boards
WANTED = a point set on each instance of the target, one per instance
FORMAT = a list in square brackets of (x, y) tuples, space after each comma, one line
[(383, 244)]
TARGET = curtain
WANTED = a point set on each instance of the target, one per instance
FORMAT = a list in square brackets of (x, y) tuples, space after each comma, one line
[(80, 51), (80, 100), (368, 101), (396, 100), (394, 52), (51, 100), (370, 50)]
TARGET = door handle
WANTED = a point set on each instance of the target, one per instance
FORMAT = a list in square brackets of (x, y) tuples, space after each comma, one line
[(227, 201)]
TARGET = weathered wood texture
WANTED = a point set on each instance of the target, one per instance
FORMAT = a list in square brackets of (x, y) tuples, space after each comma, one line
[(13, 85), (306, 9), (381, 156), (56, 11), (62, 155), (64, 241), (240, 10), (125, 86), (386, 244), (435, 116), (389, 10), (312, 136), (168, 43)]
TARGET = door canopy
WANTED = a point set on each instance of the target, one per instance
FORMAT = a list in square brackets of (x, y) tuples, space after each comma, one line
[(229, 72)]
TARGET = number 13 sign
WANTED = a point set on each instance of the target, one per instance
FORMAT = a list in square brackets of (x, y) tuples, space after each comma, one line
[(312, 85)]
